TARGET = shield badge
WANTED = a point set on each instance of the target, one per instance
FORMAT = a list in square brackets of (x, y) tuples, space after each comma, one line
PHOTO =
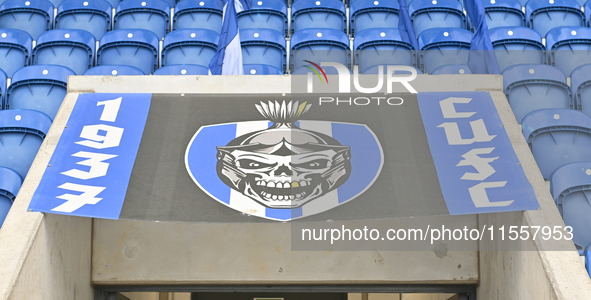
[(284, 168)]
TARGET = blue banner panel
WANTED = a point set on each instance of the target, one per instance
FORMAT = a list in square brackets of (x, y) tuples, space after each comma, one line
[(477, 167), (90, 168)]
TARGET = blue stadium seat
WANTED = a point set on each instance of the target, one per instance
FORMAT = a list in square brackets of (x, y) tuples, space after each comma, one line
[(114, 70), (366, 14), (70, 48), (517, 45), (533, 87), (443, 46), (382, 46), (32, 16), (542, 16), (270, 14), (189, 46), (452, 69), (10, 184), (263, 46), (580, 81), (153, 15), (93, 16), (319, 45), (3, 85), (328, 14), (557, 136), (568, 48), (570, 186), (182, 70), (426, 14), (198, 14), (261, 70), (21, 132), (305, 70), (129, 47), (500, 13), (15, 50), (375, 69), (39, 87)]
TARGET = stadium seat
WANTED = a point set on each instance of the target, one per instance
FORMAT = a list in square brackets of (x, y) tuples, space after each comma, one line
[(3, 85), (533, 87), (10, 184), (580, 81), (261, 70), (189, 46), (557, 136), (326, 14), (21, 132), (270, 14), (32, 16), (70, 48), (517, 45), (452, 69), (382, 46), (92, 16), (263, 46), (570, 186), (305, 70), (568, 48), (15, 50), (501, 13), (129, 47), (319, 45), (426, 14), (153, 15), (198, 14), (375, 69), (182, 70), (443, 46), (39, 87), (366, 14), (113, 70), (542, 15)]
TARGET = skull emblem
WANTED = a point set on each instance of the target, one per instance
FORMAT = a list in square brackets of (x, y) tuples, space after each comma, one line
[(284, 166)]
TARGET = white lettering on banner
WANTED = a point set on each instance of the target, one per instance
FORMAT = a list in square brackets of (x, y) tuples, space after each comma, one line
[(471, 158), (99, 136)]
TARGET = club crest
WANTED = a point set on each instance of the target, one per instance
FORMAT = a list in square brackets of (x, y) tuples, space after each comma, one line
[(284, 168)]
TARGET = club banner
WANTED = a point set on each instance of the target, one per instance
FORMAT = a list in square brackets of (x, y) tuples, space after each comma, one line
[(265, 158)]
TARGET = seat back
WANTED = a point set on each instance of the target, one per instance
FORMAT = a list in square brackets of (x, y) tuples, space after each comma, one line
[(501, 13), (443, 46), (15, 50), (570, 186), (189, 46), (32, 16), (329, 14), (92, 16), (21, 132), (152, 15), (557, 137), (517, 45), (70, 48), (533, 87), (198, 14), (452, 69), (382, 46), (129, 47), (263, 46), (10, 184), (427, 14), (580, 82), (319, 45), (38, 87), (545, 15), (568, 47), (366, 14), (251, 69), (182, 70), (113, 70), (269, 14)]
